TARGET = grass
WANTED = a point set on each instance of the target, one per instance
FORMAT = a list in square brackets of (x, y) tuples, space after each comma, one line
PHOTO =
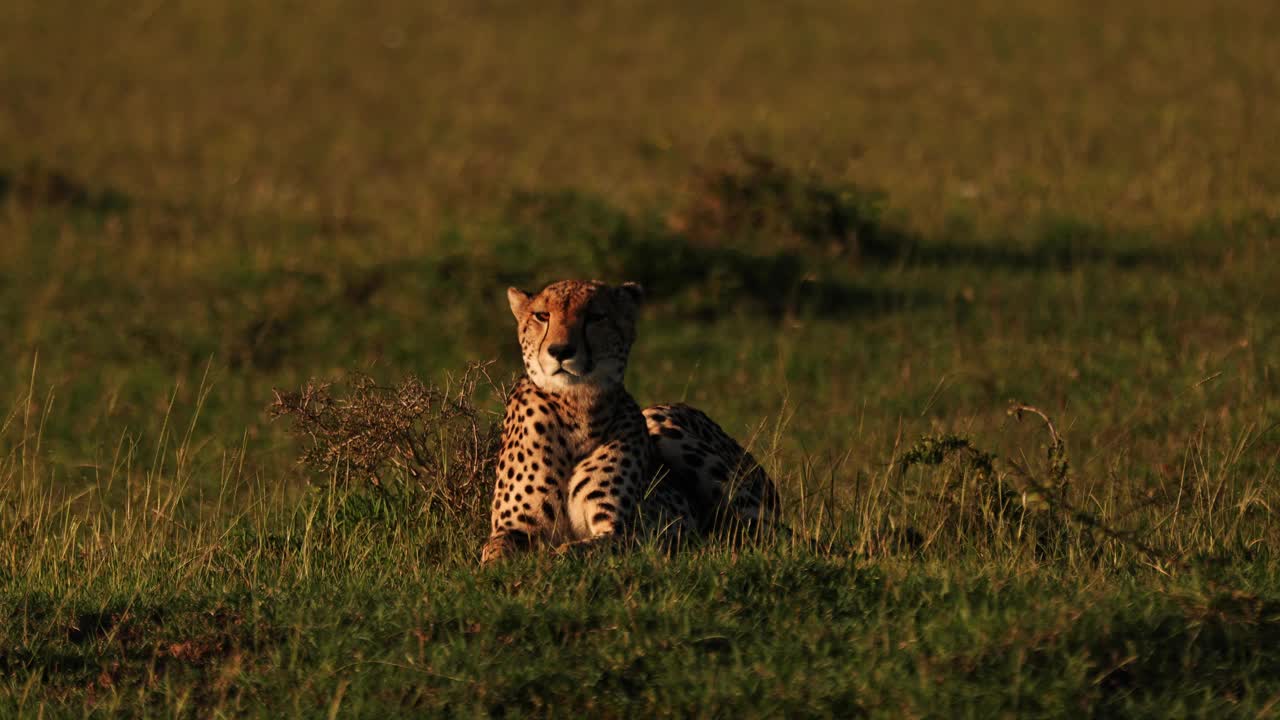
[(866, 230)]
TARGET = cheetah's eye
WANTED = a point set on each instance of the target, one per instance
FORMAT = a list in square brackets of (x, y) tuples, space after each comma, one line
[(542, 316)]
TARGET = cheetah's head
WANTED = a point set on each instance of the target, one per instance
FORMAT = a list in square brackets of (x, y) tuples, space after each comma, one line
[(576, 335)]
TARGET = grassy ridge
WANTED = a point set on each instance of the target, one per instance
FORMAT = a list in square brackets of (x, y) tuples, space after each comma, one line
[(938, 210)]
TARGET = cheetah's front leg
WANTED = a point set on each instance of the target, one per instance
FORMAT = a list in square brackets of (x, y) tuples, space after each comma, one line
[(609, 494), (603, 492), (528, 496)]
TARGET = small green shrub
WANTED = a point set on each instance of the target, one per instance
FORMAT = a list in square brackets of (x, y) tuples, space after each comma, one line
[(758, 197)]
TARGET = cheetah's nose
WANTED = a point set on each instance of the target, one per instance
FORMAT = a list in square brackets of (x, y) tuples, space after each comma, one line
[(562, 351)]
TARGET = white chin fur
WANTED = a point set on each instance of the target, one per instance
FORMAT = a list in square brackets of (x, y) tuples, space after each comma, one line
[(564, 380)]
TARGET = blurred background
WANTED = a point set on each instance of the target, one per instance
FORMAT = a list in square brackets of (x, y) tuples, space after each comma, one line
[(855, 219)]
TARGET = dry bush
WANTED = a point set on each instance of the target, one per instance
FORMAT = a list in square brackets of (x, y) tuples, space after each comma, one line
[(408, 439)]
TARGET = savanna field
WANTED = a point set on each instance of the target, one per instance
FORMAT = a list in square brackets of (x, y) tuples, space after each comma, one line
[(990, 289)]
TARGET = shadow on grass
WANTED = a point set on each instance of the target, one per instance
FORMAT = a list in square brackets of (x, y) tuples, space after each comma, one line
[(1137, 653), (753, 238), (764, 240), (575, 232), (1215, 640), (272, 333), (123, 644), (35, 186), (1054, 243), (782, 245), (763, 203)]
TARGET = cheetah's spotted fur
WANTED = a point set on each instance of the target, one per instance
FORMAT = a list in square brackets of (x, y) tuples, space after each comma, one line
[(579, 460)]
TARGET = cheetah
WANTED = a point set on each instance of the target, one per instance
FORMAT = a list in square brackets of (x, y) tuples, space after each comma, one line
[(580, 461)]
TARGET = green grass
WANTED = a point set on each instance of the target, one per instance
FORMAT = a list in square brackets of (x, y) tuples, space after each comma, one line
[(859, 225)]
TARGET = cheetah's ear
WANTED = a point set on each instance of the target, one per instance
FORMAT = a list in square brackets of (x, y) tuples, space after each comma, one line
[(518, 299), (633, 292)]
